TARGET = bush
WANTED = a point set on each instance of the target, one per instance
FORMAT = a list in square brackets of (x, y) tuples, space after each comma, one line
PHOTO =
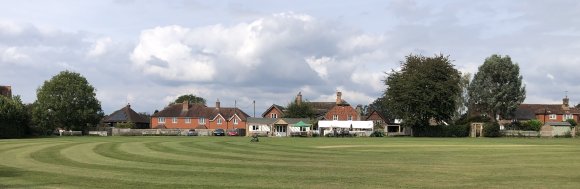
[(441, 131), (491, 129), (532, 125), (535, 125), (572, 122), (378, 133)]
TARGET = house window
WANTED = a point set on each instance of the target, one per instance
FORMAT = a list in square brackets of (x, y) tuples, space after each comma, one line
[(567, 116), (219, 121), (187, 120), (273, 115), (302, 129), (552, 116), (255, 127), (235, 121), (174, 120), (201, 120), (161, 120), (349, 117), (334, 117)]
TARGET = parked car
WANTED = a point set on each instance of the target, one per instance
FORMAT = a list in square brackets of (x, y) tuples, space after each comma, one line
[(233, 133), (219, 132), (192, 132)]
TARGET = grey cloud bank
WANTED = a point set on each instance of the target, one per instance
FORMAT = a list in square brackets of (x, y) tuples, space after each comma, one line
[(268, 52)]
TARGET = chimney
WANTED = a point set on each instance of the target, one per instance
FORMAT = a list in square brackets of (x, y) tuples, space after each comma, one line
[(566, 102), (359, 112), (299, 98), (128, 105), (217, 104), (185, 106), (338, 97)]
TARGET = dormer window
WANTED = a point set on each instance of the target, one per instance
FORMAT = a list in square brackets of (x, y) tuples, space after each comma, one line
[(219, 121), (273, 115), (334, 117), (235, 121)]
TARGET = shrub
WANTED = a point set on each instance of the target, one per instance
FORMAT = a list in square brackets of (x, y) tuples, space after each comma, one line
[(572, 122), (535, 125), (491, 129), (441, 131), (378, 133)]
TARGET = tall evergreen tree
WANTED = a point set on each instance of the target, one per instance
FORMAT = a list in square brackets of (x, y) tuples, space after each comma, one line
[(497, 87), (425, 88)]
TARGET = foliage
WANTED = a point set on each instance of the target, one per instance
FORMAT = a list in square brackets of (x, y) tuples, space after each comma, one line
[(491, 129), (462, 99), (378, 133), (67, 101), (302, 110), (535, 125), (14, 117), (424, 88), (192, 99), (380, 106), (128, 125), (531, 125), (497, 87), (572, 122), (441, 131)]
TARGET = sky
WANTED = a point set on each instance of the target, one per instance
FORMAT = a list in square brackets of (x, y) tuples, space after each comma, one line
[(148, 52)]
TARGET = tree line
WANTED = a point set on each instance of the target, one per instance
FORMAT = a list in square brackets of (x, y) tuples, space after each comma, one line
[(431, 89)]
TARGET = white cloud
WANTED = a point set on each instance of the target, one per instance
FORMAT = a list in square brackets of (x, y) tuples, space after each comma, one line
[(13, 54), (550, 76), (319, 65), (100, 47)]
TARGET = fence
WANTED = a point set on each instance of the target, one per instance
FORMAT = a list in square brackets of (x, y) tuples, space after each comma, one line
[(520, 133), (97, 133), (71, 133)]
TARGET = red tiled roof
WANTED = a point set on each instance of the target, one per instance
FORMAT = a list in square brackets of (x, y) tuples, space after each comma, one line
[(198, 110)]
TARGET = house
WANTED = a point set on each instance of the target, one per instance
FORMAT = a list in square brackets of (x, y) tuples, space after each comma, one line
[(338, 110), (392, 127), (6, 91), (274, 111), (289, 126), (127, 115), (547, 112), (198, 116), (260, 126)]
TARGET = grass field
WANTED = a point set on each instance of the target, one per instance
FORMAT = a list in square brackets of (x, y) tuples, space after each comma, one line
[(234, 162)]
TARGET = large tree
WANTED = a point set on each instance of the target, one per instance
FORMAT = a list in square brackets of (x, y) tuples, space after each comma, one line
[(67, 101), (425, 88), (299, 110), (192, 99), (14, 117), (497, 87)]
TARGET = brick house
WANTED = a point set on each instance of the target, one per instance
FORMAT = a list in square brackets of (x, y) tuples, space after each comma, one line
[(338, 110), (199, 116), (274, 111), (547, 112)]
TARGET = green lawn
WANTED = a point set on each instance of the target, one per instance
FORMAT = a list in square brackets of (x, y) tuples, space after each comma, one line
[(234, 162)]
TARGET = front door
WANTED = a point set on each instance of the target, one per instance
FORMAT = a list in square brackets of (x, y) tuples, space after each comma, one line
[(280, 130)]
